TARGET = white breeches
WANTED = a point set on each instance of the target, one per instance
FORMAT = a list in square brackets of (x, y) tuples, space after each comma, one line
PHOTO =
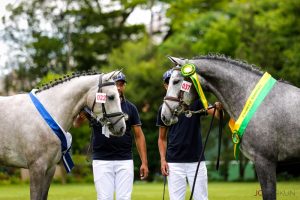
[(179, 172), (113, 176)]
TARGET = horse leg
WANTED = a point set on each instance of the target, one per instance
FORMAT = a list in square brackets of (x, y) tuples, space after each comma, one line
[(37, 176), (266, 172), (40, 178), (48, 178)]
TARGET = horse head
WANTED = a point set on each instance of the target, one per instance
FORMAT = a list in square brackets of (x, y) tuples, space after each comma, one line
[(106, 104), (177, 99)]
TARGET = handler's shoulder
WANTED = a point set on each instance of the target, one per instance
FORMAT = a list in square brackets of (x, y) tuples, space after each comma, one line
[(129, 103)]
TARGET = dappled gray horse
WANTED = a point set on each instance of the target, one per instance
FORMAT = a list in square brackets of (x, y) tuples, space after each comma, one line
[(27, 141), (272, 135)]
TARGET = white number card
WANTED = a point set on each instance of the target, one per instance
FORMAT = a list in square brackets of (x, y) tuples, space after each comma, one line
[(186, 86), (100, 97)]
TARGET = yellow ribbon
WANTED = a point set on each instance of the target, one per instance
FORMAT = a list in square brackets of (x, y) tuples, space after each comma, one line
[(199, 90), (235, 126), (257, 95)]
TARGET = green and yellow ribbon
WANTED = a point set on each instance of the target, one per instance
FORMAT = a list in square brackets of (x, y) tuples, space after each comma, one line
[(189, 70), (261, 90)]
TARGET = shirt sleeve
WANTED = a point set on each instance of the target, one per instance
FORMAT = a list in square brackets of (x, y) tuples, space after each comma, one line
[(135, 117)]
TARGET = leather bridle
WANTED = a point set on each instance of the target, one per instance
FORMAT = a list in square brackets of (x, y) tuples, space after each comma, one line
[(106, 117), (181, 105)]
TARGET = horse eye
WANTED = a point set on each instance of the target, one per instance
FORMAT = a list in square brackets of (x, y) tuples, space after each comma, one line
[(176, 82), (111, 97)]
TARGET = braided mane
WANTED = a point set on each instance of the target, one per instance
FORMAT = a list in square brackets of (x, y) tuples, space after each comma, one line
[(65, 78), (240, 63)]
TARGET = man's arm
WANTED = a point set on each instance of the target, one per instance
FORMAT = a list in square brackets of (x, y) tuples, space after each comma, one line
[(142, 149), (79, 119), (162, 146)]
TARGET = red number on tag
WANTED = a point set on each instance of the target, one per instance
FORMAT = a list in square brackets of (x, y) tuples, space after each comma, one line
[(186, 86), (101, 97)]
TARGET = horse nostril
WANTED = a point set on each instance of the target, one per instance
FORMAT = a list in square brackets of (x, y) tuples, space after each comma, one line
[(122, 130), (163, 118)]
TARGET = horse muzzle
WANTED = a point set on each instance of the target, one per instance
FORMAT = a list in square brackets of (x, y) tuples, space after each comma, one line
[(169, 121), (117, 127)]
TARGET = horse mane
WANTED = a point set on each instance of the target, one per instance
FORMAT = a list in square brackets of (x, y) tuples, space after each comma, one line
[(65, 78), (240, 63)]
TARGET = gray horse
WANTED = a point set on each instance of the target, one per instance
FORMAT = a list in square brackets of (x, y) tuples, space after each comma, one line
[(272, 135), (26, 140)]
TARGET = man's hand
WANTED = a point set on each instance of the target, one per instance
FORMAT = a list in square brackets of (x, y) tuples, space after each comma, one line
[(144, 171), (164, 168), (219, 106)]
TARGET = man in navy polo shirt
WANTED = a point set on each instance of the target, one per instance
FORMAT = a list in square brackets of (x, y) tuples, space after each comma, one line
[(180, 146), (112, 156)]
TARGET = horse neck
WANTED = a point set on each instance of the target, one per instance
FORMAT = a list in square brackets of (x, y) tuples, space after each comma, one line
[(230, 83), (64, 101)]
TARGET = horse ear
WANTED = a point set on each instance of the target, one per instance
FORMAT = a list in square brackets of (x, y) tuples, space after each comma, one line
[(112, 74), (177, 61)]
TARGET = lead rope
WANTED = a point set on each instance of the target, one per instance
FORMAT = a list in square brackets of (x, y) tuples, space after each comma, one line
[(203, 149), (221, 116), (90, 147), (165, 182)]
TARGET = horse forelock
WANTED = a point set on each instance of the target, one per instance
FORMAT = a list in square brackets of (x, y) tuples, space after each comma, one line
[(240, 63), (64, 79)]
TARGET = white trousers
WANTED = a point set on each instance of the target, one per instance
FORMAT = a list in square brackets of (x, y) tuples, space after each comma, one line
[(179, 172), (113, 176)]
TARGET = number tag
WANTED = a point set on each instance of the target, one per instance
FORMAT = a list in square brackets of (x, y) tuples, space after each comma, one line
[(100, 97), (186, 86)]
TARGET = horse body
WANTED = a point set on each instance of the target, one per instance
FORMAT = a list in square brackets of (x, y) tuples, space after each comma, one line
[(26, 139), (272, 135)]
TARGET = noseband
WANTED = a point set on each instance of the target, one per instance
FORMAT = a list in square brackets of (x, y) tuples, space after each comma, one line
[(105, 119)]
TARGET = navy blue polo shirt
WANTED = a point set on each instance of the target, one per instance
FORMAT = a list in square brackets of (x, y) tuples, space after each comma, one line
[(184, 142), (116, 148)]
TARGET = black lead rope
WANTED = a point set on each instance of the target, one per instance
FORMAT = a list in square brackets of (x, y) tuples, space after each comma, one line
[(221, 116), (92, 121), (202, 152), (165, 182), (203, 149)]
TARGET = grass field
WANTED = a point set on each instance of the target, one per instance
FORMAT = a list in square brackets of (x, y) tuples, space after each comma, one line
[(153, 191)]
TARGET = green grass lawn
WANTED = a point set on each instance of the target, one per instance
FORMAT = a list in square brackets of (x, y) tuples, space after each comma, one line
[(153, 191)]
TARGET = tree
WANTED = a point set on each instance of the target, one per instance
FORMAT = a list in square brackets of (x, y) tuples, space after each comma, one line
[(63, 35), (270, 37), (264, 33)]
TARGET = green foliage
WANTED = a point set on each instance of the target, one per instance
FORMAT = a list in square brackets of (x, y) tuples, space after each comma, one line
[(144, 75), (48, 78), (75, 35), (81, 139), (269, 36), (93, 36), (265, 33)]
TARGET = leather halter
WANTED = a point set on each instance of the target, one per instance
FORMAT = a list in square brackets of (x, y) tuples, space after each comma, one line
[(105, 119), (181, 106)]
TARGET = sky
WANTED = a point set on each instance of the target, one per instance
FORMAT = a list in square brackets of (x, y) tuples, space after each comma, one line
[(3, 3)]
